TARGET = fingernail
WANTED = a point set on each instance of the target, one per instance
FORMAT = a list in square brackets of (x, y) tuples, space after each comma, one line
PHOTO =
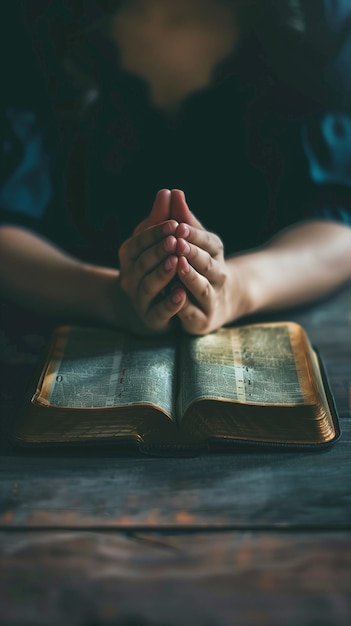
[(186, 231), (169, 227), (176, 296), (162, 191), (169, 244), (185, 267), (169, 263)]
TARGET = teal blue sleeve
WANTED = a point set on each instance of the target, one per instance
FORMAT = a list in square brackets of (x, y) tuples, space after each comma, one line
[(26, 184), (327, 139)]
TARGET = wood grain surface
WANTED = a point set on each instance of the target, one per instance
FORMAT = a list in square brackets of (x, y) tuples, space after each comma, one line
[(100, 538)]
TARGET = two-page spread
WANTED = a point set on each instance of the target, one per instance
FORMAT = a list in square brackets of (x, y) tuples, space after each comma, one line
[(257, 383)]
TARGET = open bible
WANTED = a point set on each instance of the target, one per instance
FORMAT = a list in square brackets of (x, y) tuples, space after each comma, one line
[(250, 384)]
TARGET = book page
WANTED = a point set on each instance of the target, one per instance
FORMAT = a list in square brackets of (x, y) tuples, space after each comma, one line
[(252, 364), (97, 368)]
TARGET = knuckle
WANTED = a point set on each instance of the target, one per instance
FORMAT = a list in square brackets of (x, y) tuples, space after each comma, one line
[(209, 263), (206, 291), (189, 318), (222, 278)]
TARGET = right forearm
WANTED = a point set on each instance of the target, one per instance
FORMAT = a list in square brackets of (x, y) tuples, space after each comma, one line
[(43, 278)]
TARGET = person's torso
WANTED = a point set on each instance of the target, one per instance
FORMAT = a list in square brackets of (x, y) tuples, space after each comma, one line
[(183, 107)]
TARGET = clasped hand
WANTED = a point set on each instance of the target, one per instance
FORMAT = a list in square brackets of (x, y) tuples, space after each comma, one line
[(172, 267)]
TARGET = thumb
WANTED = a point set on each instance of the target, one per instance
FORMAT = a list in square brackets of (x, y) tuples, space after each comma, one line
[(180, 210)]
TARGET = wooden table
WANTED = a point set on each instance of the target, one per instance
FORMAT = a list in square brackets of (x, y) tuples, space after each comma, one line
[(109, 539)]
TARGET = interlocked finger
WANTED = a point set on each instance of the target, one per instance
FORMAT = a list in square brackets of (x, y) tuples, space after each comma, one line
[(210, 242), (200, 260), (197, 284)]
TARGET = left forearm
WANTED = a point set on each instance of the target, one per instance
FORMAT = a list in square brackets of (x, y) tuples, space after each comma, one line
[(301, 264)]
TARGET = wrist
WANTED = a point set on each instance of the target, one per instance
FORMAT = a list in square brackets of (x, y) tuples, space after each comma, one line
[(101, 290), (247, 285)]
